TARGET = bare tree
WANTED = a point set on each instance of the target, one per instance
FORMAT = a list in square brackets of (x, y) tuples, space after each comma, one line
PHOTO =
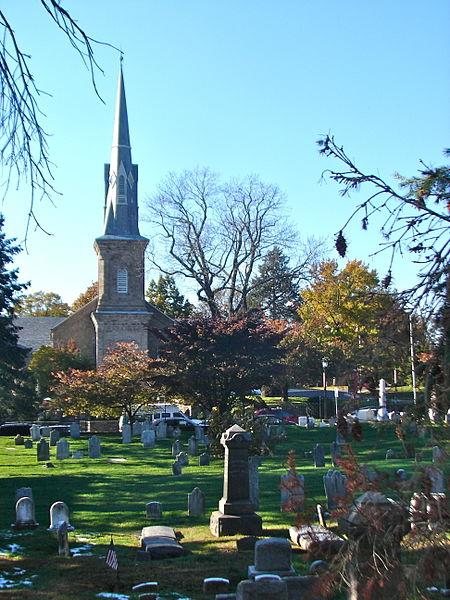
[(416, 220), (24, 151), (216, 234)]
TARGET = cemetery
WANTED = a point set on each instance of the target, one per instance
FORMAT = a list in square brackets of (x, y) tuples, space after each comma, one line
[(186, 527)]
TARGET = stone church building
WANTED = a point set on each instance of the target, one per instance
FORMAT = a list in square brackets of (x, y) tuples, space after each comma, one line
[(120, 313)]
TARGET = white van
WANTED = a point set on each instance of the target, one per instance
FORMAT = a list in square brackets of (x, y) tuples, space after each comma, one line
[(165, 412)]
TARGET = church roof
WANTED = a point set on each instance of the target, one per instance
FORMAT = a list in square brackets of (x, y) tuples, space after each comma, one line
[(36, 331)]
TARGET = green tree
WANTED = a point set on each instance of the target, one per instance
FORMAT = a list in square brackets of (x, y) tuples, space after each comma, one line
[(89, 294), (126, 380), (275, 290), (47, 361), (215, 362), (165, 295), (42, 304), (12, 357)]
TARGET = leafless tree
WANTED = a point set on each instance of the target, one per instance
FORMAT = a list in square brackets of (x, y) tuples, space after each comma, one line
[(24, 151), (215, 234), (416, 220)]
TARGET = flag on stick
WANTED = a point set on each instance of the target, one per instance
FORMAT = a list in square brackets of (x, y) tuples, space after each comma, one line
[(111, 557)]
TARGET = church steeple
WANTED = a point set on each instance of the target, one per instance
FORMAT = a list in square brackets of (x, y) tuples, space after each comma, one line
[(121, 175)]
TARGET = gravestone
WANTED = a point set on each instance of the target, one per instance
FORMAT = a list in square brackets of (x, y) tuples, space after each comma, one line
[(272, 555), (436, 477), (148, 438), (335, 451), (59, 513), (177, 468), (176, 448), (292, 489), (192, 446), (196, 503), (199, 434), (45, 431), (439, 455), (169, 431), (236, 511), (74, 429), (24, 492), (137, 428), (77, 454), (153, 510), (147, 425), (126, 433), (183, 459), (18, 440), (254, 463), (94, 447), (215, 585), (176, 433), (319, 455), (335, 484), (447, 417), (159, 542), (35, 432), (390, 454), (204, 459), (161, 430), (43, 450), (54, 437), (62, 449), (25, 518), (266, 588), (28, 444)]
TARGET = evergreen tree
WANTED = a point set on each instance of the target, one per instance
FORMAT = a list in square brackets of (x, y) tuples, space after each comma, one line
[(275, 288), (12, 357), (165, 295)]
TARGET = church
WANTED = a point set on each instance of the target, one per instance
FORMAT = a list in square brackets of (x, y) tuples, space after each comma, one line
[(120, 312)]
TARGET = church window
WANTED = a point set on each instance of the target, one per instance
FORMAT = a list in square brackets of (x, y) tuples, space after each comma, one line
[(121, 189), (122, 281)]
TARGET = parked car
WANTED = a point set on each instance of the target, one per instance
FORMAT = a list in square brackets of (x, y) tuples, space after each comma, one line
[(182, 422), (278, 412), (15, 429)]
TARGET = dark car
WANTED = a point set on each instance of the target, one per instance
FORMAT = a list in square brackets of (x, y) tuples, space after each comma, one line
[(15, 429), (280, 413), (183, 422)]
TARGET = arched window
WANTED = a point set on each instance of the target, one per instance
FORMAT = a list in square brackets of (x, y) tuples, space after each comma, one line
[(121, 190), (122, 281)]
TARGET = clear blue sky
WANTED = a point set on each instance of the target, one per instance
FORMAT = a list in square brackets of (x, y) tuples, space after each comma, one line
[(242, 87)]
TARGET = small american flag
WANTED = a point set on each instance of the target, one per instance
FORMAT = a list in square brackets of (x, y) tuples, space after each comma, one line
[(111, 557)]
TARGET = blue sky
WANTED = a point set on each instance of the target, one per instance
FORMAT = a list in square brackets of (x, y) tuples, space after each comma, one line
[(242, 87)]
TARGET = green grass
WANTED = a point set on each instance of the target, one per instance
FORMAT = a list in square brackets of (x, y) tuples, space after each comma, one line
[(106, 498)]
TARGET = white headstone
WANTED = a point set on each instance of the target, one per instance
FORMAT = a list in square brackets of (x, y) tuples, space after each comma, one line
[(161, 430), (35, 432), (59, 513), (126, 433), (62, 449), (192, 446), (153, 510), (196, 503), (74, 430), (25, 513), (94, 448), (148, 438)]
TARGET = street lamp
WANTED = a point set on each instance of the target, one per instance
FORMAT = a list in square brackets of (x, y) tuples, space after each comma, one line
[(324, 382)]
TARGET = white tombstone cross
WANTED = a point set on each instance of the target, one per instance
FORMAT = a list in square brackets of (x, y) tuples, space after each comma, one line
[(59, 513)]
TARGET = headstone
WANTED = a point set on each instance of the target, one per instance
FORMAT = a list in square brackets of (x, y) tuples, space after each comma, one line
[(192, 446), (447, 417), (390, 454), (335, 451), (335, 484), (177, 468), (161, 430), (236, 511), (263, 589), (74, 429), (24, 492), (316, 539), (147, 425), (54, 437), (77, 454), (94, 447), (319, 455), (204, 459), (18, 440), (63, 539), (254, 463), (272, 555), (62, 449), (153, 510), (126, 433), (148, 438), (35, 432), (43, 450), (25, 518), (439, 455), (292, 487), (176, 433), (159, 542), (436, 477), (176, 448), (215, 585), (169, 431), (28, 444), (45, 431), (196, 503), (59, 513), (199, 433), (183, 459), (137, 428), (401, 475)]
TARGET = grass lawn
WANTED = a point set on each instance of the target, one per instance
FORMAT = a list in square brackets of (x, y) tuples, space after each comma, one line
[(106, 498)]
